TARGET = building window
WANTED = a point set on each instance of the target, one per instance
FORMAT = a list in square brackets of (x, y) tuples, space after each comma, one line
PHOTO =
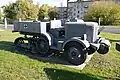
[(74, 14), (78, 11), (85, 6), (77, 16), (81, 9), (77, 6), (74, 5), (74, 9)]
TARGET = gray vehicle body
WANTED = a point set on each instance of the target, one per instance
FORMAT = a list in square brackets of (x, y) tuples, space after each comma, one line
[(85, 33), (66, 35)]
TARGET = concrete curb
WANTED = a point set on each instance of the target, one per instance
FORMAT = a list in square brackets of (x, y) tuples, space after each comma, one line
[(82, 66)]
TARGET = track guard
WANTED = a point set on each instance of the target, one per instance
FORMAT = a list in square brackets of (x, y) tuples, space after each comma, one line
[(48, 36), (84, 43)]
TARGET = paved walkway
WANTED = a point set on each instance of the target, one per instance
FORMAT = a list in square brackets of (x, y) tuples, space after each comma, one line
[(112, 29)]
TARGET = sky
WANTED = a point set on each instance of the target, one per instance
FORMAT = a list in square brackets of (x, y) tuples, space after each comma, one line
[(50, 2)]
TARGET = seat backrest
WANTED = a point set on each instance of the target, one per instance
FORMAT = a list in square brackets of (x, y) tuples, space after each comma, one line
[(55, 24)]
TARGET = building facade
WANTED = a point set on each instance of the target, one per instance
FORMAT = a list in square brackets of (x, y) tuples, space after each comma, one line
[(62, 12), (117, 1), (78, 8)]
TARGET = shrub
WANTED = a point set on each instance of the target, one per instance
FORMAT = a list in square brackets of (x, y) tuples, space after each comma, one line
[(107, 11)]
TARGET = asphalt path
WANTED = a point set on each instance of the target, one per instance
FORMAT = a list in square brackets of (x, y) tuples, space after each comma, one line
[(9, 27), (112, 29)]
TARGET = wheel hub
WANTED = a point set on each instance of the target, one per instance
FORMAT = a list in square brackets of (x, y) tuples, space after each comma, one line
[(74, 53), (42, 45)]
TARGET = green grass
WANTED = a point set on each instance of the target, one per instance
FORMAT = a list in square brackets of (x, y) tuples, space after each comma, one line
[(14, 66)]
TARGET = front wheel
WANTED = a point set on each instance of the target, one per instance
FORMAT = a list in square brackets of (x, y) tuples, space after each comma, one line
[(75, 53)]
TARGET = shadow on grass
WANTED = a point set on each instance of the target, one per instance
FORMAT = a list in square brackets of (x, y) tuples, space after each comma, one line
[(58, 74), (112, 40), (9, 46), (53, 74)]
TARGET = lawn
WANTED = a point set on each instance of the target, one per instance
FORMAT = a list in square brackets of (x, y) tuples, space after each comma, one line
[(14, 66)]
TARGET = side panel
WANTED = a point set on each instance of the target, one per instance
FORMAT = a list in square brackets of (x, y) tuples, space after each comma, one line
[(31, 27), (78, 29), (92, 31), (75, 30)]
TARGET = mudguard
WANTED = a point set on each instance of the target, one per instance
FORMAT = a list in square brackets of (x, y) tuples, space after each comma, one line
[(107, 42), (84, 43), (48, 36)]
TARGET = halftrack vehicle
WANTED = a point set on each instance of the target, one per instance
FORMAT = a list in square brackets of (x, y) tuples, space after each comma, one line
[(75, 39)]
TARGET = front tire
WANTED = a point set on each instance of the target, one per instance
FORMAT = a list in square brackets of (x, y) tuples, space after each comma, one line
[(75, 53)]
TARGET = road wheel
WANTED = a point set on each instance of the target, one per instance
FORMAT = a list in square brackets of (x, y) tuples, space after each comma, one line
[(18, 42), (75, 53), (42, 46)]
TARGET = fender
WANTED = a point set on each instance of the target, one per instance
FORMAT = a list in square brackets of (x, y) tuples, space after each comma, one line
[(48, 36), (107, 42), (84, 43)]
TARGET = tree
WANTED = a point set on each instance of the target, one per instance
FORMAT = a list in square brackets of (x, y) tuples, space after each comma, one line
[(107, 11), (43, 11), (24, 9), (47, 11), (53, 13), (10, 11), (1, 15)]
